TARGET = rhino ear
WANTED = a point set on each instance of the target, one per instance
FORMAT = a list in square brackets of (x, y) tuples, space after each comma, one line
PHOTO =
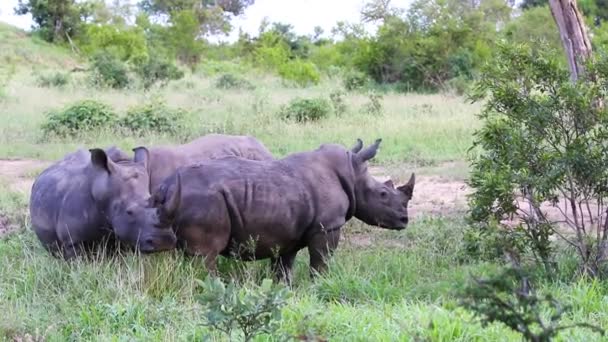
[(142, 156), (172, 200), (408, 188), (369, 152), (358, 146), (100, 160), (390, 184)]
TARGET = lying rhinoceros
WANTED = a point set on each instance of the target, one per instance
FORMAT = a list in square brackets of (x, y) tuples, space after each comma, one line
[(90, 195), (164, 160), (272, 209)]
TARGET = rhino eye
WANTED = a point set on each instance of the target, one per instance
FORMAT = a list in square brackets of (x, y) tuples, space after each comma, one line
[(383, 194), (129, 212)]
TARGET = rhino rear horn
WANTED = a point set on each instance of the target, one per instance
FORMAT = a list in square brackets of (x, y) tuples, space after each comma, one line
[(369, 152), (408, 188)]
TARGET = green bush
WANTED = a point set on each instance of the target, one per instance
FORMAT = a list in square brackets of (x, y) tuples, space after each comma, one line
[(252, 311), (374, 106), (337, 102), (54, 79), (302, 110), (156, 117), (354, 80), (300, 72), (79, 117), (109, 71), (158, 70), (231, 81)]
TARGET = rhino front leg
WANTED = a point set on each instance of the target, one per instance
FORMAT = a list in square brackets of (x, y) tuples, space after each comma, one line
[(320, 248), (282, 267), (207, 243)]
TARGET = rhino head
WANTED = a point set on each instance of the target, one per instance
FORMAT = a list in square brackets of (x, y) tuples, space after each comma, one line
[(121, 191), (379, 204)]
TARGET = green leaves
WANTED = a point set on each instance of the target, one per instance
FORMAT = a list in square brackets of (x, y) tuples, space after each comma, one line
[(252, 311)]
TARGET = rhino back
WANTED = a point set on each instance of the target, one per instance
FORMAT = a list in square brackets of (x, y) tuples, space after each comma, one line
[(61, 202)]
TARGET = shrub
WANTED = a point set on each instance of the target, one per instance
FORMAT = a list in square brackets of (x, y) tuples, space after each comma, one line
[(354, 80), (543, 143), (156, 117), (508, 298), (302, 110), (82, 116), (300, 72), (374, 106), (253, 311), (109, 71), (55, 79), (158, 70), (231, 81), (337, 102)]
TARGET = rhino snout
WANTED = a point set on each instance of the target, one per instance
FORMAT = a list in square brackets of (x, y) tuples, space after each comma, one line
[(158, 242)]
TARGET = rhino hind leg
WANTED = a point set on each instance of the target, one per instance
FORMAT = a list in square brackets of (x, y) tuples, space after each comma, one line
[(282, 266)]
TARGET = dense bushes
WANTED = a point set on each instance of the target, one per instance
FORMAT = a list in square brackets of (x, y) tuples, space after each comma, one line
[(153, 117), (88, 115), (302, 110), (109, 71), (79, 117), (300, 72), (53, 79), (231, 81)]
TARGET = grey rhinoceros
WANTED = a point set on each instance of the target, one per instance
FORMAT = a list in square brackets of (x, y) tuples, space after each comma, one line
[(165, 160), (271, 209), (93, 194)]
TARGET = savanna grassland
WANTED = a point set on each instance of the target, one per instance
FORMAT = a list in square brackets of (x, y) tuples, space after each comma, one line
[(381, 285)]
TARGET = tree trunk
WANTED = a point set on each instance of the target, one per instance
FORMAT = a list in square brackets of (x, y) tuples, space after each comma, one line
[(573, 34)]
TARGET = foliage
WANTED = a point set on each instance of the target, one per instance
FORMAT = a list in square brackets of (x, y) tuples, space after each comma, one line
[(508, 298), (55, 20), (158, 70), (543, 142), (231, 81), (300, 72), (374, 106), (182, 37), (82, 116), (302, 110), (337, 102), (253, 311), (109, 71), (127, 44), (53, 79), (354, 80), (154, 116)]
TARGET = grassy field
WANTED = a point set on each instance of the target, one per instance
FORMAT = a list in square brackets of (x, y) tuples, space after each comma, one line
[(381, 286)]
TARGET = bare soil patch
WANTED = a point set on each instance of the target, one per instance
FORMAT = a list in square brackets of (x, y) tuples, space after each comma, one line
[(18, 173)]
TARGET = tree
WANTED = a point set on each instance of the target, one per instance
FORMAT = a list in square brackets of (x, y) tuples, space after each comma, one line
[(55, 20), (573, 34)]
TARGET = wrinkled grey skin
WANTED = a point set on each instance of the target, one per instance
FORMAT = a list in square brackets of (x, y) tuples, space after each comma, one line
[(92, 195), (165, 160), (219, 206)]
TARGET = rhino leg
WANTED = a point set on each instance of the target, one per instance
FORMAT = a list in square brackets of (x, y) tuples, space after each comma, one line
[(282, 266), (207, 243), (320, 248)]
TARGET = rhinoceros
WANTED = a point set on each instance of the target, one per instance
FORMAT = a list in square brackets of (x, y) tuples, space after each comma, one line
[(251, 209), (94, 194), (165, 160)]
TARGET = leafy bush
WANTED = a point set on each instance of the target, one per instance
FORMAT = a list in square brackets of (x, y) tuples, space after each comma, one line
[(374, 106), (55, 79), (231, 81), (109, 71), (253, 311), (126, 43), (79, 117), (302, 110), (337, 102), (158, 70), (300, 72), (354, 80), (156, 117), (508, 298), (543, 142)]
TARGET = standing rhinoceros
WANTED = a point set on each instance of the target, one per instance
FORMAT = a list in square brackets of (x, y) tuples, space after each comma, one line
[(165, 160), (90, 195), (281, 206)]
